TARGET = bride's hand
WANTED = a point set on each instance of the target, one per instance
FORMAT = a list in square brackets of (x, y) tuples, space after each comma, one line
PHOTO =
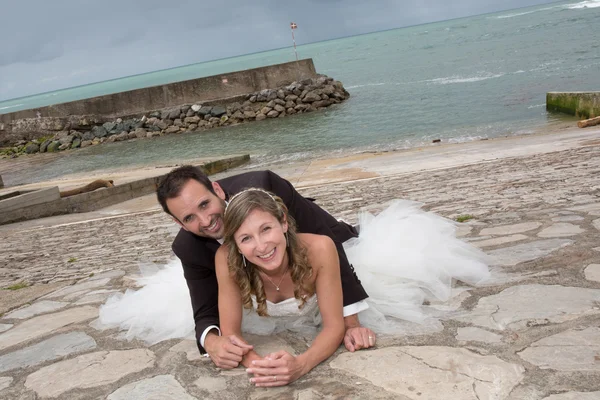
[(276, 369)]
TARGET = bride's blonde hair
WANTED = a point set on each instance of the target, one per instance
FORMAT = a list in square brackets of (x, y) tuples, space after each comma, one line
[(247, 276)]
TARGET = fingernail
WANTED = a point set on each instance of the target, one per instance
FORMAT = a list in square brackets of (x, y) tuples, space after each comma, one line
[(251, 380), (249, 370), (254, 362)]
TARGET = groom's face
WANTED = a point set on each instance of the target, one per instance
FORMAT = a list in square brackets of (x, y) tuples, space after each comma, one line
[(198, 210)]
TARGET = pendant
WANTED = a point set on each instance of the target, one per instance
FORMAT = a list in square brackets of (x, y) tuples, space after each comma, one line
[(277, 288)]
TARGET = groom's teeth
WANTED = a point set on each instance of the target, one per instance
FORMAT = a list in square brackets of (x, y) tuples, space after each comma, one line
[(268, 255)]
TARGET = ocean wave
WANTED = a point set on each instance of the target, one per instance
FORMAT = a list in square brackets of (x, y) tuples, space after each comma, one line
[(583, 4), (459, 79), (365, 85), (514, 15), (13, 106), (536, 106)]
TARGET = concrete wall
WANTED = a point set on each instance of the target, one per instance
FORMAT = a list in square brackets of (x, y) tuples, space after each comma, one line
[(85, 202), (175, 94), (581, 104)]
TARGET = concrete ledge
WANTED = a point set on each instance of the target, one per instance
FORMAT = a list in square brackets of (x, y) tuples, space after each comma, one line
[(15, 201), (47, 202), (583, 105)]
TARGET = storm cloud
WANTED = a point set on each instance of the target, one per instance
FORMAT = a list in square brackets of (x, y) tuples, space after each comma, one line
[(48, 45)]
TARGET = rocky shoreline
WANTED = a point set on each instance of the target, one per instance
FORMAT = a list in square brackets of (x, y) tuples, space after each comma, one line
[(83, 131)]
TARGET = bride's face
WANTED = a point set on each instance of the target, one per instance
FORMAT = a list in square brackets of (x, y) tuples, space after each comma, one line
[(261, 240)]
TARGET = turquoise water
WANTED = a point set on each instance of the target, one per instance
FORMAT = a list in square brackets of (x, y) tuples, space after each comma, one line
[(458, 80)]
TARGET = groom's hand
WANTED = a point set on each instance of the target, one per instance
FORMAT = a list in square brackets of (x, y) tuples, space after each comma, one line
[(357, 337), (226, 351)]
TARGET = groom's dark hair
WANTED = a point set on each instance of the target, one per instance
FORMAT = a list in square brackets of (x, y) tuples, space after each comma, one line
[(172, 183)]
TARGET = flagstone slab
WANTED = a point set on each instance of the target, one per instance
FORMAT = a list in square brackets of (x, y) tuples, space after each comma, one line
[(525, 305), (472, 333), (51, 349), (500, 240), (97, 296), (433, 372), (190, 349), (574, 396), (513, 255), (572, 350), (106, 274), (592, 272), (45, 324), (510, 229), (40, 307), (88, 371), (561, 229), (161, 387), (568, 218), (5, 382), (5, 327), (78, 288), (586, 207), (211, 384)]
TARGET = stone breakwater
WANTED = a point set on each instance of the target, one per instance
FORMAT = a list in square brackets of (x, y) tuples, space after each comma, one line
[(78, 132)]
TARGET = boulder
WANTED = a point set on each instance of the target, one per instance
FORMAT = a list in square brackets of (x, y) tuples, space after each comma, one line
[(111, 139), (132, 135), (44, 145), (32, 148), (238, 114), (265, 110), (154, 114), (64, 146), (86, 143), (67, 139), (272, 95), (252, 99), (174, 114), (249, 114), (192, 127), (185, 109), (273, 114), (218, 111), (291, 110), (53, 147), (260, 117), (140, 133), (281, 94), (109, 126), (279, 108), (291, 97), (311, 96), (192, 120), (76, 143), (190, 113), (87, 136), (178, 123), (123, 136), (161, 124), (196, 107), (270, 104), (204, 110), (99, 131), (172, 129)]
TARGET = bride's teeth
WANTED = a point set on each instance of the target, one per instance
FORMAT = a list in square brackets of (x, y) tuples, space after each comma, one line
[(267, 255)]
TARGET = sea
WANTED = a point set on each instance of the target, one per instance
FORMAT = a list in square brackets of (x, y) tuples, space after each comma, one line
[(459, 80)]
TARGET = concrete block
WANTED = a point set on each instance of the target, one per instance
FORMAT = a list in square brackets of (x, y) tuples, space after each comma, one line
[(583, 105), (29, 199)]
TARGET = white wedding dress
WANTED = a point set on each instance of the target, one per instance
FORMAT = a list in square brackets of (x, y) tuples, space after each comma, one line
[(404, 257)]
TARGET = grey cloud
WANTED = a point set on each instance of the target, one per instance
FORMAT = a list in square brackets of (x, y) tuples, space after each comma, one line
[(51, 40)]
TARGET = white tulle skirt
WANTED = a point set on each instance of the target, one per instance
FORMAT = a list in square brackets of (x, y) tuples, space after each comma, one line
[(404, 257)]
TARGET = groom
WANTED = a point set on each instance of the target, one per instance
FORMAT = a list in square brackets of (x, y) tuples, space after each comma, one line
[(197, 205)]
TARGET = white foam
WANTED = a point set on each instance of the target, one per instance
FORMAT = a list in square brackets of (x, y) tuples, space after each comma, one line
[(13, 106), (583, 4), (365, 85), (514, 15), (459, 79)]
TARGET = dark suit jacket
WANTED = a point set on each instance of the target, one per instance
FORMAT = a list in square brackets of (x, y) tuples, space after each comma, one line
[(197, 254)]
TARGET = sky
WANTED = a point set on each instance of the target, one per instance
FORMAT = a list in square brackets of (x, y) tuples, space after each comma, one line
[(48, 45)]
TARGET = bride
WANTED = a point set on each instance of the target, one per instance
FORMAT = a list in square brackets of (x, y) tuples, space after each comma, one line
[(268, 269)]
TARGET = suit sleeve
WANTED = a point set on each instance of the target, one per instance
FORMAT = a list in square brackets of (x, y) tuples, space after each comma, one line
[(310, 218), (202, 284)]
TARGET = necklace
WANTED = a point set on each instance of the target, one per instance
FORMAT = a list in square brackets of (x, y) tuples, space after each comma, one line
[(281, 280)]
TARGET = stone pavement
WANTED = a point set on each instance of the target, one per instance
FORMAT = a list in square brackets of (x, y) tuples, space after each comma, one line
[(531, 332)]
